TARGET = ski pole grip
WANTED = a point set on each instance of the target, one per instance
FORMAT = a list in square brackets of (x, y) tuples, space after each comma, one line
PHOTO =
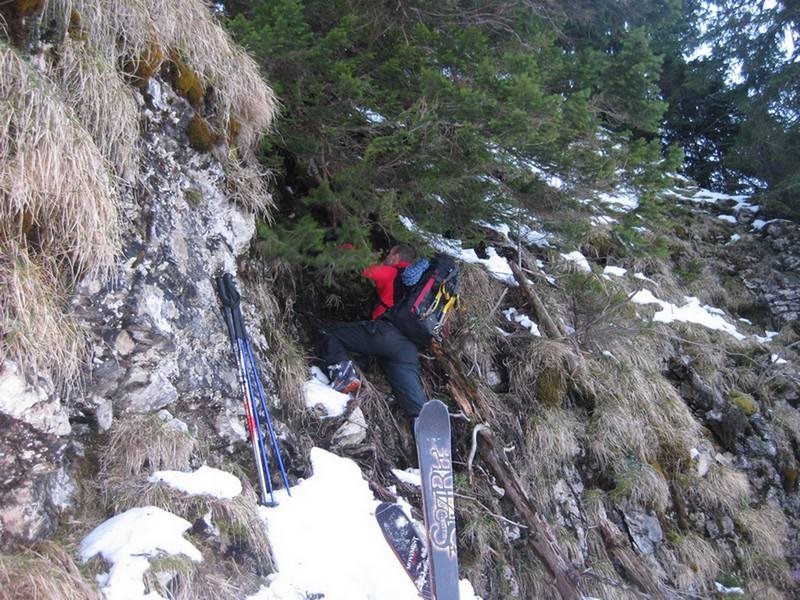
[(226, 287)]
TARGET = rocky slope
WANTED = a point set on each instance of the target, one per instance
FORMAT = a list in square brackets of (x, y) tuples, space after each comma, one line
[(654, 456)]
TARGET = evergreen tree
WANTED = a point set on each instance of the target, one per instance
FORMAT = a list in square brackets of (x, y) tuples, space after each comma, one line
[(449, 113)]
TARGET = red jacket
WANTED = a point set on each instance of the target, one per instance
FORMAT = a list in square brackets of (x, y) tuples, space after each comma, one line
[(384, 276)]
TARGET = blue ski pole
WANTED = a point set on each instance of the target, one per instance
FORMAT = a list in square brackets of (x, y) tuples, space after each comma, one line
[(230, 301), (267, 417)]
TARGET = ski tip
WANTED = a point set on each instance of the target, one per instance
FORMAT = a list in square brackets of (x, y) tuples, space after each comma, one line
[(383, 507), (432, 407)]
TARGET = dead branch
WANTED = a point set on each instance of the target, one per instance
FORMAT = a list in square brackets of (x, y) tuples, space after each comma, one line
[(541, 313)]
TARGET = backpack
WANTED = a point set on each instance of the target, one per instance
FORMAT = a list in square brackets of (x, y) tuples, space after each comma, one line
[(422, 311)]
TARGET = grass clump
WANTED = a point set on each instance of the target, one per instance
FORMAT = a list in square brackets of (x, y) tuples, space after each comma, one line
[(699, 564), (125, 31), (36, 335), (288, 360), (56, 193), (723, 488), (48, 571), (141, 444), (102, 102), (541, 372), (641, 485), (142, 67)]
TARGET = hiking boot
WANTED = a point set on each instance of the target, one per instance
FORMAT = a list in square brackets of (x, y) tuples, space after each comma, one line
[(344, 377)]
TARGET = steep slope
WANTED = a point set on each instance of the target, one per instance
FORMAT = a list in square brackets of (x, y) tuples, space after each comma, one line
[(625, 389)]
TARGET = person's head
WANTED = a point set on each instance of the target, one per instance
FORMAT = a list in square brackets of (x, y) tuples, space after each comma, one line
[(400, 253)]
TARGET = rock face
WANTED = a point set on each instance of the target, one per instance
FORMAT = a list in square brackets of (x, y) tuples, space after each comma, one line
[(34, 485), (774, 273), (157, 335)]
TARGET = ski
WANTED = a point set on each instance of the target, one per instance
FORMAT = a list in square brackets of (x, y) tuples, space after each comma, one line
[(432, 431), (406, 544)]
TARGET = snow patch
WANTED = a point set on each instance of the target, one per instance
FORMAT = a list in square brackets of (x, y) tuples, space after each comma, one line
[(759, 224), (599, 220), (623, 200), (767, 337), (579, 259), (318, 393), (615, 271), (409, 476), (128, 540), (728, 591), (307, 532), (513, 315), (205, 481), (644, 277), (691, 312), (727, 218), (496, 265)]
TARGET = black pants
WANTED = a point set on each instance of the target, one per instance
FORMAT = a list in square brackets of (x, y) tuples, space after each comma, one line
[(396, 354)]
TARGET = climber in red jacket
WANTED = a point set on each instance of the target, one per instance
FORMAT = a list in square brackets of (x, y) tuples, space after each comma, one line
[(384, 275), (397, 355)]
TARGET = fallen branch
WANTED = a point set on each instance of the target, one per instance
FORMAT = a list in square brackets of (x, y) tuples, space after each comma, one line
[(550, 328), (474, 448)]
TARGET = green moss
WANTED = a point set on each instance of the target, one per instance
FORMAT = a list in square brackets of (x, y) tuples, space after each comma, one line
[(201, 136), (674, 537), (76, 29), (142, 69), (186, 82), (193, 196), (234, 127), (789, 479), (26, 8), (550, 387), (744, 401)]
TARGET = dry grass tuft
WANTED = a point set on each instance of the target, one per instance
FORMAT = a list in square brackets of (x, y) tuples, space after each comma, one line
[(139, 445), (237, 519), (178, 578), (102, 101), (46, 572), (540, 373), (56, 193), (553, 440), (764, 591), (767, 529), (186, 26), (699, 564), (246, 184), (36, 335), (641, 485), (638, 413), (722, 488), (286, 354)]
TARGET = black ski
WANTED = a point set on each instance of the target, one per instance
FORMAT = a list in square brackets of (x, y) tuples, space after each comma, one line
[(406, 544), (432, 431)]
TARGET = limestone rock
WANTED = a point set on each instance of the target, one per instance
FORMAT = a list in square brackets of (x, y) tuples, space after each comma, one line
[(34, 484), (644, 529), (352, 433)]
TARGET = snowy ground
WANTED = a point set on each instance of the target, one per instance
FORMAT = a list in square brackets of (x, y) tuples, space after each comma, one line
[(324, 538)]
